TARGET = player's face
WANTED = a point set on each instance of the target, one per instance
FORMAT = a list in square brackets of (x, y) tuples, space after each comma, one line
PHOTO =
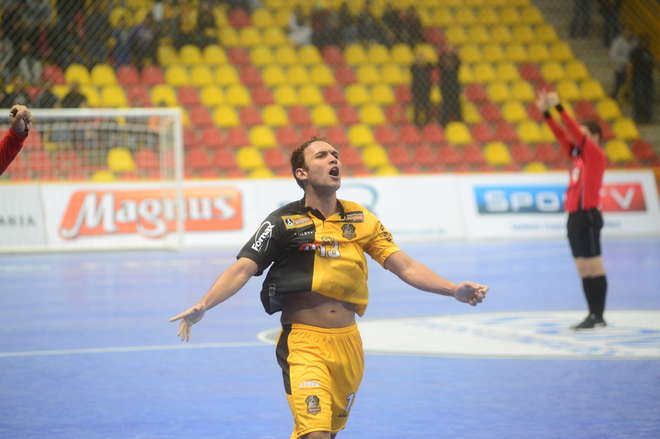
[(594, 138), (323, 165)]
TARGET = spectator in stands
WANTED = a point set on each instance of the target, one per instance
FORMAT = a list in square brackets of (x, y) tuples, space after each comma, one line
[(369, 27), (347, 25), (64, 39), (620, 55), (6, 56), (394, 24), (298, 28), (450, 87), (34, 13), (320, 23), (412, 26), (30, 67), (121, 37), (46, 98), (68, 9), (19, 94), (609, 10), (186, 25), (12, 142), (97, 35), (643, 90), (581, 23), (166, 22), (74, 98), (420, 89), (43, 42), (206, 24), (143, 42)]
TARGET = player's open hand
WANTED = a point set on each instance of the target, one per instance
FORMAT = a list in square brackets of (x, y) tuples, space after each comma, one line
[(471, 293), (21, 119), (188, 318), (542, 101)]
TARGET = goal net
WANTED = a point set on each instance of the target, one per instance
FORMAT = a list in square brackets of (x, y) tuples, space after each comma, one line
[(105, 178)]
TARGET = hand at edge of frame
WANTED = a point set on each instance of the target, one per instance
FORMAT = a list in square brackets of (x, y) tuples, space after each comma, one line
[(188, 318), (470, 292), (21, 119)]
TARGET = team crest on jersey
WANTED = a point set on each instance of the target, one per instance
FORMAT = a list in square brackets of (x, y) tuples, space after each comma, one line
[(353, 217), (296, 221), (348, 231), (313, 404)]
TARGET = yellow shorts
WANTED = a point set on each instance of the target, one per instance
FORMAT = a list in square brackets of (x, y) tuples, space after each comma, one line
[(322, 369)]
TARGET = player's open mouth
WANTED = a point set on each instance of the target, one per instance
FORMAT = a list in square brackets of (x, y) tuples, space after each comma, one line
[(334, 171)]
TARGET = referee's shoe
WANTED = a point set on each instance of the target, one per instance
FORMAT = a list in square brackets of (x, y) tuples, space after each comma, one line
[(590, 322)]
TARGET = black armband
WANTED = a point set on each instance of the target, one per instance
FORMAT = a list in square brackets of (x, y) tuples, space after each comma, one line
[(559, 107), (546, 114)]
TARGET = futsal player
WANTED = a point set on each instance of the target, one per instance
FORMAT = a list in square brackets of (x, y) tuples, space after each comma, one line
[(12, 142), (315, 248), (585, 221)]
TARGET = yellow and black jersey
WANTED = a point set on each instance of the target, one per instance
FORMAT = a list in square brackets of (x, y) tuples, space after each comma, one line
[(309, 252)]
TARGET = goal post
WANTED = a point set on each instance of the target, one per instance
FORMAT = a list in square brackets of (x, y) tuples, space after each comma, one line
[(96, 179)]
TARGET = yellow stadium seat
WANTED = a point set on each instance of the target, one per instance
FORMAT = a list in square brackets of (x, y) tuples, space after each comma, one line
[(464, 16), (103, 74), (576, 70), (592, 90), (262, 17), (608, 109), (478, 34), (529, 132), (309, 55), (568, 90), (497, 154), (465, 74), (382, 94), (553, 71), (190, 55), (225, 116), (374, 156), (201, 75), (249, 158), (274, 116), (523, 33), (470, 113), (320, 74), (249, 36), (368, 74), (515, 53), (457, 133), (535, 167), (357, 94), (372, 114), (523, 91), (546, 33), (177, 76), (282, 17), (214, 55), (297, 75), (117, 14), (402, 54), (310, 95), (163, 93), (285, 95), (546, 133), (360, 135), (92, 95), (102, 176), (470, 53), (538, 52), (488, 16), (429, 52), (484, 73), (262, 136), (324, 116), (261, 56), (77, 73), (625, 129), (507, 71), (514, 111), (113, 96), (212, 96), (561, 51), (436, 96), (498, 92), (120, 160), (509, 15), (456, 35), (501, 34), (273, 75), (226, 75), (618, 152), (393, 74), (354, 54), (229, 36), (378, 54), (531, 15), (441, 17), (238, 95), (286, 55), (167, 56), (492, 53)]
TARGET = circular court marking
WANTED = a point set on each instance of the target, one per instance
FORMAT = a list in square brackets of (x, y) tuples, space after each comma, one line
[(629, 334)]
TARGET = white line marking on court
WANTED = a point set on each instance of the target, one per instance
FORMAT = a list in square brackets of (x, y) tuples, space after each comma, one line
[(172, 347)]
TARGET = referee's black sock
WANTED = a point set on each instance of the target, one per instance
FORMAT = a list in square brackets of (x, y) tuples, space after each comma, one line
[(595, 290)]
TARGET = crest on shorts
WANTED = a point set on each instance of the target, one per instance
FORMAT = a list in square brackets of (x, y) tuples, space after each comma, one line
[(348, 231), (313, 404)]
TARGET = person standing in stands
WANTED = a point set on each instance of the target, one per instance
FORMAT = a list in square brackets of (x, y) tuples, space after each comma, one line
[(314, 250), (643, 86), (12, 142), (420, 88), (585, 220), (450, 86)]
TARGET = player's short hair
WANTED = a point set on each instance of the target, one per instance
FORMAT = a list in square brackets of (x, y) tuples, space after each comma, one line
[(594, 128), (298, 157)]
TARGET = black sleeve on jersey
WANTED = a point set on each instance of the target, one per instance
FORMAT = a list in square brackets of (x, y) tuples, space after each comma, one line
[(264, 245)]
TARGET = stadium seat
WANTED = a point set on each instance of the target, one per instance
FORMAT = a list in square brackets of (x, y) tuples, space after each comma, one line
[(493, 53), (237, 137), (368, 74), (510, 15), (212, 96), (523, 33), (505, 132), (310, 95), (167, 56), (478, 34), (393, 74), (448, 155), (482, 133), (522, 91), (357, 94), (591, 90), (53, 73), (535, 167), (238, 95), (457, 133), (500, 34), (177, 76), (473, 156), (197, 159), (507, 71), (128, 76), (399, 156), (261, 95), (560, 51), (370, 114), (625, 129), (529, 132), (120, 160), (618, 152), (409, 134), (336, 135), (190, 55), (545, 33), (345, 75), (323, 116), (262, 18), (332, 55), (285, 95), (239, 18), (374, 156), (456, 35), (113, 96), (309, 55), (401, 54), (152, 75), (360, 135), (547, 153), (378, 54), (498, 92), (163, 94), (321, 75), (521, 153), (225, 116), (226, 75), (476, 92), (424, 154), (484, 73), (297, 75), (229, 37), (250, 75), (434, 134), (644, 151), (382, 94), (514, 111), (146, 159), (249, 158), (516, 52), (553, 71), (102, 75), (275, 159), (470, 53), (355, 54), (497, 154), (238, 56), (385, 135), (287, 136), (214, 55), (250, 116), (188, 96), (138, 96), (583, 109), (576, 70), (77, 73), (212, 137), (568, 90), (273, 75), (262, 136), (201, 75), (608, 109), (274, 116), (348, 115)]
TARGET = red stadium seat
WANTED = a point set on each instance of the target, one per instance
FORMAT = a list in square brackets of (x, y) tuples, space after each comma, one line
[(299, 115), (250, 116), (533, 111), (188, 96), (332, 55), (476, 92), (212, 137), (239, 18), (307, 132), (409, 135), (128, 75), (473, 156), (644, 151), (348, 115), (396, 114), (490, 112), (435, 36), (585, 110), (400, 156), (505, 132), (530, 72), (448, 155), (238, 56), (54, 74), (334, 95), (261, 95), (138, 96), (402, 94), (237, 137), (288, 137), (412, 168), (336, 135), (197, 158), (146, 158), (345, 75), (350, 157), (385, 135), (224, 159), (191, 138), (152, 75), (200, 116), (433, 133), (250, 75), (275, 159), (424, 154), (548, 153), (482, 133), (521, 153)]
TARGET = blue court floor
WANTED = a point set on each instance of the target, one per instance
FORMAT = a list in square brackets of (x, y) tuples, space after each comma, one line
[(86, 350)]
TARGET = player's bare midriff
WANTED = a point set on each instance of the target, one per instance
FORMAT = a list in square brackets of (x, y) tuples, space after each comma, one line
[(317, 310)]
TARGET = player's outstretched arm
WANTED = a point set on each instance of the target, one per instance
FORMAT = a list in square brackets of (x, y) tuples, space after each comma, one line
[(21, 119), (12, 142), (421, 277), (225, 286)]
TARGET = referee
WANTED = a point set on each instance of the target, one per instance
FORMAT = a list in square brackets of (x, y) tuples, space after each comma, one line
[(582, 200)]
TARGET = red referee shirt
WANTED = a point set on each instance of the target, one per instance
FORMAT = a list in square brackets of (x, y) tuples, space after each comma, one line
[(589, 161), (10, 145)]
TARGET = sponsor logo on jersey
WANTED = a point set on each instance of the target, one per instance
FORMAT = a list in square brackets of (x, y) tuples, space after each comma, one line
[(313, 404), (295, 221), (353, 217), (150, 212), (308, 384), (348, 231), (262, 237)]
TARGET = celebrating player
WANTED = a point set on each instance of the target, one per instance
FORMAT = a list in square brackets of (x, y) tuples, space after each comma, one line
[(12, 142)]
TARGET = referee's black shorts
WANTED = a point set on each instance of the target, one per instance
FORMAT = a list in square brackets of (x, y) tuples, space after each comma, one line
[(584, 232)]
